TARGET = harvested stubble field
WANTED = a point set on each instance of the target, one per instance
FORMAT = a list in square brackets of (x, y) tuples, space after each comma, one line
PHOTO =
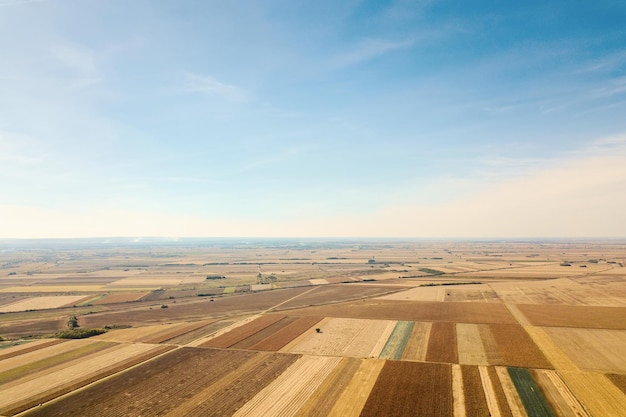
[(122, 297), (41, 303), (240, 333), (575, 316), (475, 402)]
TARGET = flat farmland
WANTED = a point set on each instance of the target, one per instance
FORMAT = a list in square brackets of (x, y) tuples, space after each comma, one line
[(592, 349), (346, 337), (394, 391), (575, 316), (415, 311), (41, 303), (532, 338)]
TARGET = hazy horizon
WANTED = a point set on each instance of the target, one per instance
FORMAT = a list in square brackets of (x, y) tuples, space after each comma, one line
[(364, 119)]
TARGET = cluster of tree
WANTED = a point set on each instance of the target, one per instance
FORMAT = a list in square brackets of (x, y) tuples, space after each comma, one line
[(212, 277)]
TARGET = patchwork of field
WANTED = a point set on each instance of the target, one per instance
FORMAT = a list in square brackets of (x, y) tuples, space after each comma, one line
[(472, 329)]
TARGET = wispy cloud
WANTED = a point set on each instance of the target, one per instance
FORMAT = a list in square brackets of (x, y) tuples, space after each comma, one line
[(369, 49), (209, 85)]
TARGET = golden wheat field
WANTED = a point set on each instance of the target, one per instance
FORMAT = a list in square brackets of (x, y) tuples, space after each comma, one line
[(457, 329)]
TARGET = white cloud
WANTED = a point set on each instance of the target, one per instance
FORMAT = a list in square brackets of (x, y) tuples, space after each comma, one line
[(210, 85), (369, 49)]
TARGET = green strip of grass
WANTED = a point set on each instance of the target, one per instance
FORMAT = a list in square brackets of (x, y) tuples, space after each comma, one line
[(529, 392), (397, 341)]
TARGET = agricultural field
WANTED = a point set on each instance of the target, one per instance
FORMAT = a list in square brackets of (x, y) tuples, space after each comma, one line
[(314, 328)]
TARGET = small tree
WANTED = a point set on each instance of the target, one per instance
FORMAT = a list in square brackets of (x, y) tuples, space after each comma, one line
[(72, 323)]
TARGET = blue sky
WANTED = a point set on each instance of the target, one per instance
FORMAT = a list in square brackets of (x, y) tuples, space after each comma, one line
[(293, 118)]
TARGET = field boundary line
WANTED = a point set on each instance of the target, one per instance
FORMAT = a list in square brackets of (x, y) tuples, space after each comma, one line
[(517, 314), (490, 395), (204, 339), (458, 395)]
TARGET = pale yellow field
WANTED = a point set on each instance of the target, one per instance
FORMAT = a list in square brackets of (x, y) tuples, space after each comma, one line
[(436, 293), (470, 345), (592, 349), (41, 303), (417, 345), (345, 337), (596, 392), (558, 395), (354, 396), (287, 393), (54, 289)]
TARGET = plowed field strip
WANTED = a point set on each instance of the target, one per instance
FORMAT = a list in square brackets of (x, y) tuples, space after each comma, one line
[(533, 400), (554, 353), (239, 333), (285, 335), (560, 398), (417, 344), (517, 348), (290, 390), (324, 398), (209, 327), (49, 362), (515, 403), (231, 392), (498, 391), (442, 343), (489, 344), (154, 388), (305, 335), (395, 390), (470, 345), (490, 393), (356, 393), (28, 347), (475, 401), (596, 392), (394, 348), (26, 395), (264, 333), (167, 336)]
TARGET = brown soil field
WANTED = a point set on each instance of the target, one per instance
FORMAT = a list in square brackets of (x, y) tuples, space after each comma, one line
[(48, 385), (558, 396), (26, 347), (345, 337), (596, 392), (288, 393), (324, 398), (516, 348), (475, 401), (470, 345), (122, 297), (264, 333), (442, 343), (284, 335), (155, 387), (592, 349), (353, 398), (575, 316), (394, 391), (200, 332), (240, 333), (414, 311), (417, 344), (334, 293), (234, 390), (197, 309)]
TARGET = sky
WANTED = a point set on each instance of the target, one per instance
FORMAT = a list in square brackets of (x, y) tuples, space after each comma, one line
[(283, 118)]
